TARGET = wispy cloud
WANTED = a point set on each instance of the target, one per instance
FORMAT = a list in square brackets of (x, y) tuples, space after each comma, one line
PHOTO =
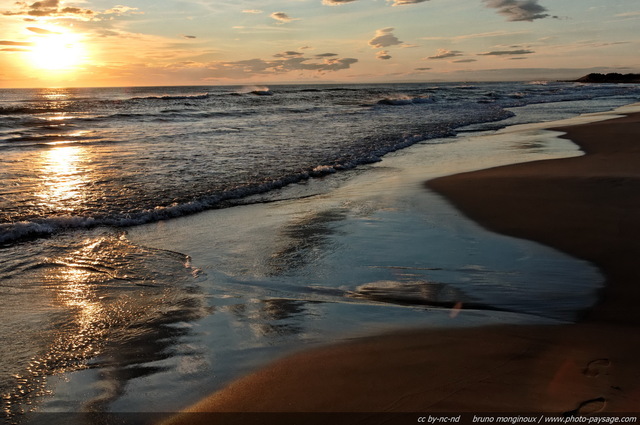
[(464, 61), (15, 43), (628, 15), (585, 44), (123, 10), (403, 2), (336, 2), (444, 54), (282, 17), (384, 38), (519, 10), (42, 31), (394, 2), (507, 52), (252, 11), (607, 44), (288, 54), (260, 67), (492, 34)]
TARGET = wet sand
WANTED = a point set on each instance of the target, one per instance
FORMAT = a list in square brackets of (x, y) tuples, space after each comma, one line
[(587, 206)]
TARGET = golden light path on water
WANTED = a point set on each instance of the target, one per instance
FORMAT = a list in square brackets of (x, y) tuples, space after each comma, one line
[(62, 171), (99, 303)]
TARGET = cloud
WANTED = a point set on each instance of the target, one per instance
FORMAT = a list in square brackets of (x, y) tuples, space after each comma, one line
[(613, 43), (395, 2), (444, 54), (288, 54), (123, 10), (403, 2), (423, 69), (518, 10), (41, 31), (384, 38), (493, 34), (253, 11), (260, 67), (282, 17), (16, 46), (296, 64), (383, 55), (336, 2), (45, 4), (627, 15), (326, 55), (49, 8), (15, 43), (464, 61), (188, 36), (507, 53)]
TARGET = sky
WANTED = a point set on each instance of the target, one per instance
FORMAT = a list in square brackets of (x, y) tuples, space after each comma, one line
[(94, 43)]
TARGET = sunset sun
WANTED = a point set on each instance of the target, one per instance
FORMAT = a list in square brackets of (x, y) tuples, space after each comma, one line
[(57, 52)]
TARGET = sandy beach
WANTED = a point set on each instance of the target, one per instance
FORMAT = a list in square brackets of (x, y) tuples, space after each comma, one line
[(586, 206)]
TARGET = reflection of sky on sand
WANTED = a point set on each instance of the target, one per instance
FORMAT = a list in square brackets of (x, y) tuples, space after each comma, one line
[(303, 240)]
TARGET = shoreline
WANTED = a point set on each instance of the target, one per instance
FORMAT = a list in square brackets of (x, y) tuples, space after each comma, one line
[(581, 368), (590, 201)]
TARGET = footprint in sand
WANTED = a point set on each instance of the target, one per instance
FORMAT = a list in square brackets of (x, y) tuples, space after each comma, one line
[(596, 367), (588, 407)]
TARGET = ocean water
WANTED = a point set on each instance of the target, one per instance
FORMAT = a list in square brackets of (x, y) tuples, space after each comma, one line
[(79, 158), (93, 320)]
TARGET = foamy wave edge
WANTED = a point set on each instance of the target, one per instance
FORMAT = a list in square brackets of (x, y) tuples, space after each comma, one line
[(28, 230)]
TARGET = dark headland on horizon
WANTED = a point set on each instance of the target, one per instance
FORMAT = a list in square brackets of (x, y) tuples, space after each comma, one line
[(612, 77)]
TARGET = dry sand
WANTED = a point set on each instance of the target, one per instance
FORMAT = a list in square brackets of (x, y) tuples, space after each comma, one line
[(587, 206)]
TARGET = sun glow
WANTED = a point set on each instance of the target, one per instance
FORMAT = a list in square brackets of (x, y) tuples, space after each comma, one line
[(57, 52)]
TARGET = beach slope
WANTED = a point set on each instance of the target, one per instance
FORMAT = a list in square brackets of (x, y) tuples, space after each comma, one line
[(587, 206)]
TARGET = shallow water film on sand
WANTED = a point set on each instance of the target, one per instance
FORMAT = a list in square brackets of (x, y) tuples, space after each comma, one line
[(117, 297)]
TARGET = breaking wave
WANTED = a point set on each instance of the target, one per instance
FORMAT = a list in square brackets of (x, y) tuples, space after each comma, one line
[(373, 152), (148, 154), (167, 97), (405, 100)]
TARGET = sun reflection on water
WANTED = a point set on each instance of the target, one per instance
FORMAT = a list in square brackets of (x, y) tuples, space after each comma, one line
[(78, 295), (98, 302), (62, 172)]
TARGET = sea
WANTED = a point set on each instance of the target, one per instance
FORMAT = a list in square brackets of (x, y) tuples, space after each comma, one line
[(95, 319)]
